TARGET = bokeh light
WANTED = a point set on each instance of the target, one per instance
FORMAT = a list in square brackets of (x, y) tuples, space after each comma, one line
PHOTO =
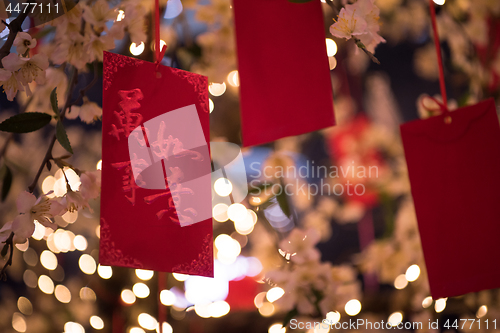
[(395, 319), (80, 243), (427, 302), (46, 284), (19, 322), (412, 273), (128, 296), (353, 307), (331, 47), (48, 260), (167, 297), (223, 187), (233, 78), (400, 282), (137, 49), (104, 272), (219, 212), (440, 305), (274, 294), (62, 294), (144, 274), (217, 89), (87, 264), (147, 321), (96, 322), (277, 328), (141, 290)]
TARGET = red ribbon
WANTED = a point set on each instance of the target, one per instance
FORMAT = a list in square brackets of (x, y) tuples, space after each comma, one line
[(442, 107), (439, 59), (158, 53)]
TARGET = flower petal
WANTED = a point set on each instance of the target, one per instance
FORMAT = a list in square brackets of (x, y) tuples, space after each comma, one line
[(21, 37), (25, 201), (46, 222), (56, 208), (5, 231), (5, 75), (23, 226), (12, 62), (40, 60)]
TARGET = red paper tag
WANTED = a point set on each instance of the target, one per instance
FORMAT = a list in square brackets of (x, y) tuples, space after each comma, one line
[(455, 181), (156, 187), (283, 68)]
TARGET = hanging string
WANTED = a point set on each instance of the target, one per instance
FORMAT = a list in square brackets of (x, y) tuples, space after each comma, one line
[(158, 53), (438, 52)]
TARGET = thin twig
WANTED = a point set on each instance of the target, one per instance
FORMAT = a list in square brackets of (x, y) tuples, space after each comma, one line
[(360, 45), (333, 7), (84, 90), (14, 28), (9, 242)]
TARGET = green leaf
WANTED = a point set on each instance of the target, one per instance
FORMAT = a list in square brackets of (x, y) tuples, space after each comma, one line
[(62, 137), (25, 122), (289, 316), (283, 200), (53, 102), (6, 181), (299, 1)]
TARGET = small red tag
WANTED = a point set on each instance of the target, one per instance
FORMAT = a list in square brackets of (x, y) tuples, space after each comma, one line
[(453, 166), (283, 68), (156, 186)]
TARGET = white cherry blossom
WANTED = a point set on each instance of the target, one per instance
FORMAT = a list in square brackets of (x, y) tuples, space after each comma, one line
[(24, 42)]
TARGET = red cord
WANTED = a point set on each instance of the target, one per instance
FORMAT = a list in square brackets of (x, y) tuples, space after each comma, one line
[(158, 53), (438, 52)]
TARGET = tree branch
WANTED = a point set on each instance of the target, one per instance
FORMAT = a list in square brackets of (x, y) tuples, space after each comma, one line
[(14, 28), (48, 154), (10, 243), (358, 42), (84, 90), (333, 7), (363, 48)]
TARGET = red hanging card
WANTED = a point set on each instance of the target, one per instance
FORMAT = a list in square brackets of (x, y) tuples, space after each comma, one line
[(156, 186), (285, 84), (455, 181)]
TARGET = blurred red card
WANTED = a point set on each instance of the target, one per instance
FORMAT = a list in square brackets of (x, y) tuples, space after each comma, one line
[(285, 84), (454, 171), (156, 187)]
